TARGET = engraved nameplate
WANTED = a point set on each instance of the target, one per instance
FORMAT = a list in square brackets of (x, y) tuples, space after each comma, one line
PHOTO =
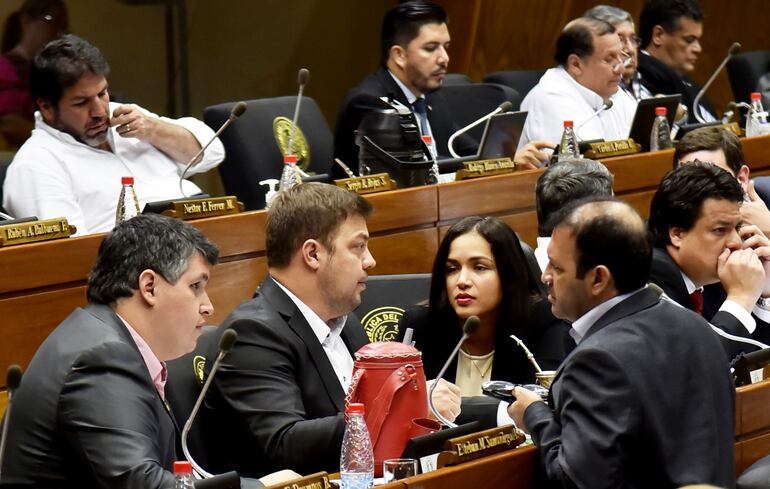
[(606, 149), (480, 444), (485, 168), (367, 184), (206, 207), (31, 231), (319, 480)]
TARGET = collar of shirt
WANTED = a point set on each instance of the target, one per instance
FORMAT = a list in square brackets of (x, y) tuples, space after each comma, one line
[(156, 368), (581, 326), (323, 331), (689, 284), (594, 100), (62, 136), (410, 97)]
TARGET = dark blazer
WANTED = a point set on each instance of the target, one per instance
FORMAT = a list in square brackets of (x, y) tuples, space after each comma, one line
[(87, 413), (666, 274), (658, 78), (640, 403), (364, 98), (276, 402)]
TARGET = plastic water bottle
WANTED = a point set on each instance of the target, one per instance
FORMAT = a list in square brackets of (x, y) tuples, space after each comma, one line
[(290, 175), (756, 123), (128, 203), (568, 147), (433, 172), (357, 457), (183, 478), (660, 137)]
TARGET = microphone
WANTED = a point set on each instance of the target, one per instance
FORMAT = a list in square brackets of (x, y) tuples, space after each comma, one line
[(729, 112), (696, 109), (470, 327), (12, 382), (237, 111), (607, 105), (503, 107), (226, 342), (302, 77), (745, 363)]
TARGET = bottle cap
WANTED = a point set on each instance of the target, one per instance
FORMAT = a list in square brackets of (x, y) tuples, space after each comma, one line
[(289, 159), (355, 407), (127, 180), (661, 111), (427, 139), (755, 96), (567, 123), (183, 467)]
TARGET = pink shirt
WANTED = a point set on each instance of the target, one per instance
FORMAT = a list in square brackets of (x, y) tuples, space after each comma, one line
[(156, 368)]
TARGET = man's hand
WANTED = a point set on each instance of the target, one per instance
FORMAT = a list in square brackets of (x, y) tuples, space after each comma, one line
[(524, 398), (530, 156), (742, 276), (755, 211), (755, 240), (446, 399), (133, 123)]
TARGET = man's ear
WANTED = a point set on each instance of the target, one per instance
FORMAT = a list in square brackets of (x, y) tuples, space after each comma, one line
[(47, 110), (676, 235), (743, 176), (658, 32), (148, 281), (310, 251), (574, 65), (398, 55), (601, 280)]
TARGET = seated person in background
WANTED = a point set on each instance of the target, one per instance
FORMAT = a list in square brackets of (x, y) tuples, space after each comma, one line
[(670, 32), (645, 399), (590, 63), (570, 180), (82, 145), (480, 270), (278, 400), (27, 30), (705, 258), (723, 148), (414, 61)]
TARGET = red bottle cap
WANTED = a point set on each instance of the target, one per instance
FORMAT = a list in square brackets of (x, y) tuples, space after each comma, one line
[(661, 111), (355, 407), (755, 96), (427, 139), (183, 467), (127, 180), (289, 159), (567, 123)]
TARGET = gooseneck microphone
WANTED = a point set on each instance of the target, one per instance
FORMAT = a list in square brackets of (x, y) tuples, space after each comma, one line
[(12, 382), (237, 110), (607, 105), (302, 78), (696, 109), (470, 327), (727, 115), (226, 343), (503, 107)]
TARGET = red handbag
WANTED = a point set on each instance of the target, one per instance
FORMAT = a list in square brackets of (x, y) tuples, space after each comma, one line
[(389, 380)]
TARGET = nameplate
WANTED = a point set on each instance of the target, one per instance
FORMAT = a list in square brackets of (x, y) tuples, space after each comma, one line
[(485, 168), (319, 480), (367, 184), (32, 231), (206, 207), (480, 444), (606, 149)]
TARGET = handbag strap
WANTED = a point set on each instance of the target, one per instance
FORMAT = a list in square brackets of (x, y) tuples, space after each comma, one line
[(406, 374)]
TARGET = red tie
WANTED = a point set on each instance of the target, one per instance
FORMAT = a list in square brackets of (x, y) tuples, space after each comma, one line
[(697, 301)]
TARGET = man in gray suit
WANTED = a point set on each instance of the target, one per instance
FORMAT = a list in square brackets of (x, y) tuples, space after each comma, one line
[(645, 399)]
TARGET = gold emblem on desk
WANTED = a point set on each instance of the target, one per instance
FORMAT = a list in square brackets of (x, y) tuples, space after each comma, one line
[(281, 131), (206, 207), (606, 149), (480, 444), (485, 168), (32, 231), (319, 480), (381, 324)]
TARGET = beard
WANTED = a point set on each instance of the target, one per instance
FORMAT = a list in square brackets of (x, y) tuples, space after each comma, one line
[(94, 141)]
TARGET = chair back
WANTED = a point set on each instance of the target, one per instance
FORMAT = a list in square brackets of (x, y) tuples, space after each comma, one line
[(385, 300), (520, 80), (456, 79), (468, 103), (252, 153), (744, 71)]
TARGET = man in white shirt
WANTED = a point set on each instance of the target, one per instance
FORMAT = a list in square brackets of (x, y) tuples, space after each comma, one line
[(82, 145), (590, 64)]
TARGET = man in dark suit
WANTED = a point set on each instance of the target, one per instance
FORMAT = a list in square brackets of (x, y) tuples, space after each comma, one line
[(670, 32), (278, 400), (705, 259), (90, 411), (646, 398)]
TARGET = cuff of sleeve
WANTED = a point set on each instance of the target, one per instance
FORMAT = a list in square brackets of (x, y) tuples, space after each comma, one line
[(740, 314), (502, 415), (762, 313), (536, 411)]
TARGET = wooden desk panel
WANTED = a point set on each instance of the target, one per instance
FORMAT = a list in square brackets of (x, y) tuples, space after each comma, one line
[(232, 283), (639, 171), (407, 252), (400, 209), (236, 234)]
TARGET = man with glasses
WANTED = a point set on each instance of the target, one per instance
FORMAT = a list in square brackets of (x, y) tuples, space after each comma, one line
[(590, 63), (670, 31)]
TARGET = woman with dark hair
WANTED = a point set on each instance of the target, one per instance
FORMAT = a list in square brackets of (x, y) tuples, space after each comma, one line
[(26, 32), (481, 270)]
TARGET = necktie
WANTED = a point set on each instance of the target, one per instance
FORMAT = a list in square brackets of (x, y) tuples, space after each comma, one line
[(421, 110), (697, 301)]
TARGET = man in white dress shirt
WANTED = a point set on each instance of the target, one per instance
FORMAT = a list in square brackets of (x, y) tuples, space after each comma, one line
[(590, 64), (82, 144)]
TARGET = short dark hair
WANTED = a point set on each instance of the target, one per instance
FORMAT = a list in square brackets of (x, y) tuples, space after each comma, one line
[(667, 14), (402, 24), (145, 242), (61, 64), (712, 139), (519, 284), (578, 38), (678, 202), (308, 211), (567, 181), (609, 232)]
